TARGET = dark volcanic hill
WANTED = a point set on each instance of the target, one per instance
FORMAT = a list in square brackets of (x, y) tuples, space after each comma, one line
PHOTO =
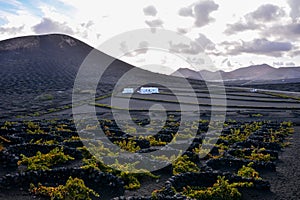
[(33, 63), (252, 73)]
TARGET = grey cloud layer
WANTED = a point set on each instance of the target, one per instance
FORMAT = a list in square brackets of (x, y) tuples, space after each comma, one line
[(150, 11), (200, 11), (295, 8), (195, 47), (266, 13), (284, 31), (241, 26), (154, 23), (49, 26), (11, 30), (258, 46), (256, 20)]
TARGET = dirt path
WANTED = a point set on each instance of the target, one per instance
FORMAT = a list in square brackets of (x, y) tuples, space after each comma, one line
[(286, 183)]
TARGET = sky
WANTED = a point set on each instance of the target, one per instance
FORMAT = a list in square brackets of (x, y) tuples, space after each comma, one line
[(232, 33)]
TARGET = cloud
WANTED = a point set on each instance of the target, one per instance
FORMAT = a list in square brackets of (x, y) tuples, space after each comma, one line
[(197, 61), (195, 47), (282, 31), (154, 23), (183, 30), (186, 12), (258, 46), (49, 26), (266, 13), (241, 26), (150, 11), (11, 30), (88, 24), (295, 9), (142, 49), (256, 20), (200, 11), (229, 63)]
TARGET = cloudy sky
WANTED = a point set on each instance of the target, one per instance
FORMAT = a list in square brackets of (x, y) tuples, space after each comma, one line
[(233, 33)]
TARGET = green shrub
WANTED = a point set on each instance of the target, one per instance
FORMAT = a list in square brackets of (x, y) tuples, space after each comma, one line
[(183, 164), (74, 189), (63, 127), (44, 161), (34, 128), (45, 142), (130, 174), (154, 142), (123, 171), (249, 172), (128, 145), (221, 190), (257, 154)]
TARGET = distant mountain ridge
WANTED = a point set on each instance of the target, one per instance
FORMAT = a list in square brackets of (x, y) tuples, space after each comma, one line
[(251, 73)]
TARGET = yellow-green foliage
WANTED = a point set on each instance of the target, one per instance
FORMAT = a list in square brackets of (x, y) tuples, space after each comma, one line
[(257, 115), (44, 161), (72, 139), (7, 124), (74, 189), (221, 190), (183, 164), (32, 125), (249, 172), (257, 154), (284, 130), (45, 142), (202, 152), (98, 150), (165, 158), (128, 145), (63, 127), (221, 148), (92, 127), (131, 181), (237, 135), (130, 130), (34, 128), (93, 163), (154, 142), (124, 171)]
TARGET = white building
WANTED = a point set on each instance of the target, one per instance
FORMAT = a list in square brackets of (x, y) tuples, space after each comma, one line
[(148, 90), (128, 91)]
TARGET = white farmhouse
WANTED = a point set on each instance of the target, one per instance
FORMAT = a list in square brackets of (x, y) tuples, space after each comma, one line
[(128, 91), (148, 90), (253, 90)]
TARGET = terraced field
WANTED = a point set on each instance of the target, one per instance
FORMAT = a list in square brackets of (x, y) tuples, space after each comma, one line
[(49, 152)]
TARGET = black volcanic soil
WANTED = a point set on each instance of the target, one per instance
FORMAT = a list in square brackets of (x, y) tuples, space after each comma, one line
[(285, 182), (292, 87)]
